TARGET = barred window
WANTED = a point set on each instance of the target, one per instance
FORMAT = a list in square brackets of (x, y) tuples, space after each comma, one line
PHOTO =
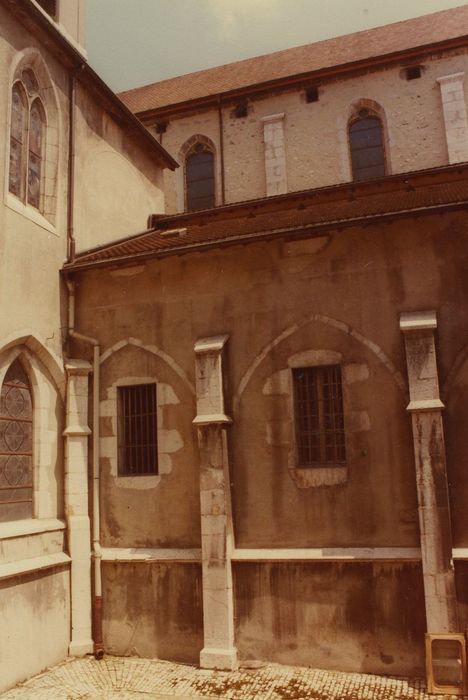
[(16, 435), (318, 416), (137, 430)]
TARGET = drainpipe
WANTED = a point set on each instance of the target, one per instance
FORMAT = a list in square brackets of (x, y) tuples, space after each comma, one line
[(221, 150), (71, 163), (96, 553)]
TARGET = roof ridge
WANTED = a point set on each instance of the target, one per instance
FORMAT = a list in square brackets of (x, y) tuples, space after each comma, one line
[(415, 21)]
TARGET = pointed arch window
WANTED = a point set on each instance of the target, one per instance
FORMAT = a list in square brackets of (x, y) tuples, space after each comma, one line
[(27, 132), (200, 178), (366, 146), (16, 438)]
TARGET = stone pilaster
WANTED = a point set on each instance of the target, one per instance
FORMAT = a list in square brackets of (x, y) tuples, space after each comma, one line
[(275, 154), (216, 514), (76, 505), (431, 475), (455, 118)]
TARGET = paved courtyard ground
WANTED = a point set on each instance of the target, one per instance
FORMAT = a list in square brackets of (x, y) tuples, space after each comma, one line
[(146, 679)]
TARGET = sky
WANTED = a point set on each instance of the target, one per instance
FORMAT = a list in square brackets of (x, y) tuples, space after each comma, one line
[(136, 42)]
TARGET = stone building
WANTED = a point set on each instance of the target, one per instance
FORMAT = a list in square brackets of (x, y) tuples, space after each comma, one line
[(78, 168), (270, 374)]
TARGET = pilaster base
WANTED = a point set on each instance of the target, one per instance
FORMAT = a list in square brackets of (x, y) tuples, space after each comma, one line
[(81, 647), (220, 659)]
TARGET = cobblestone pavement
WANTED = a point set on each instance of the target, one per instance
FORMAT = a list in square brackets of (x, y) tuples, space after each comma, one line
[(146, 679)]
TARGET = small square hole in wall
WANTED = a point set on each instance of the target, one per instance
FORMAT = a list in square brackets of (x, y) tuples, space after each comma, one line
[(240, 110), (312, 94), (413, 72)]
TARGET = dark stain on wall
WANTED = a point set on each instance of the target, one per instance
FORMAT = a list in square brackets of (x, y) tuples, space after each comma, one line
[(153, 610), (356, 616)]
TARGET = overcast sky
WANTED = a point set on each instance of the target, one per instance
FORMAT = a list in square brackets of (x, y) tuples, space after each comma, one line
[(135, 42)]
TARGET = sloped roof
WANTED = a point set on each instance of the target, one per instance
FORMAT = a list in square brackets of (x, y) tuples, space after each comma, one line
[(296, 215), (339, 51)]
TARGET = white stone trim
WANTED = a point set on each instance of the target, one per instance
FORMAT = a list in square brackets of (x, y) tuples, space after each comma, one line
[(20, 528), (418, 321), (455, 116), (329, 554), (460, 553), (275, 154), (141, 554), (26, 566)]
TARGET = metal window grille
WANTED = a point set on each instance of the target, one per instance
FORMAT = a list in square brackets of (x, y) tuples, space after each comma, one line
[(16, 435), (318, 416), (367, 149), (137, 430)]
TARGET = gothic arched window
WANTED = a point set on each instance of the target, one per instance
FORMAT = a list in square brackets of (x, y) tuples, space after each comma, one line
[(200, 178), (16, 438), (27, 140), (366, 146)]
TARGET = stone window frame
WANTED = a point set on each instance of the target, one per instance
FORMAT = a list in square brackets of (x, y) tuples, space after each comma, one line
[(46, 215), (184, 152), (46, 441), (375, 110), (319, 475), (319, 382), (165, 395), (122, 468)]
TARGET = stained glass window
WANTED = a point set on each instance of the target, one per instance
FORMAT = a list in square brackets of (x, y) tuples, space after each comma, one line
[(36, 123), (16, 423), (17, 137), (199, 176), (26, 140)]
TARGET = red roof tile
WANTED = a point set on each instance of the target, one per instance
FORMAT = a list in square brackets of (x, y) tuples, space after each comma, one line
[(371, 43), (297, 214)]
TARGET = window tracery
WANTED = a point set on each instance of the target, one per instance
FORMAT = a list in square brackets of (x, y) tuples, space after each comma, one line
[(27, 131), (16, 439)]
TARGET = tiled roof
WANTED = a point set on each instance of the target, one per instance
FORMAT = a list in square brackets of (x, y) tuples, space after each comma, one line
[(322, 55), (299, 214)]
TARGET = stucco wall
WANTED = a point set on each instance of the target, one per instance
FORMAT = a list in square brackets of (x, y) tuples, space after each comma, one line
[(283, 303), (118, 182), (153, 610), (316, 143), (34, 632), (358, 617)]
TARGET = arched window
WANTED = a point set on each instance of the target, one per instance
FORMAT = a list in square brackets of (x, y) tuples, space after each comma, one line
[(366, 146), (27, 140), (200, 178), (16, 437)]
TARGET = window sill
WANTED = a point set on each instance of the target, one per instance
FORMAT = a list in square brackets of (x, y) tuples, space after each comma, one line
[(22, 528), (311, 477), (29, 212), (139, 483)]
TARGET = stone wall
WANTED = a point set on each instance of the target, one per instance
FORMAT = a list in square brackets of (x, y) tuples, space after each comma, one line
[(315, 134)]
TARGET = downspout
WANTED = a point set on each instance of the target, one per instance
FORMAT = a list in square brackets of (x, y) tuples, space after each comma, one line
[(71, 163), (71, 168), (221, 150), (96, 533)]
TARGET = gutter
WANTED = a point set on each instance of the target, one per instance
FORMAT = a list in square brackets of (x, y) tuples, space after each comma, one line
[(96, 530)]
